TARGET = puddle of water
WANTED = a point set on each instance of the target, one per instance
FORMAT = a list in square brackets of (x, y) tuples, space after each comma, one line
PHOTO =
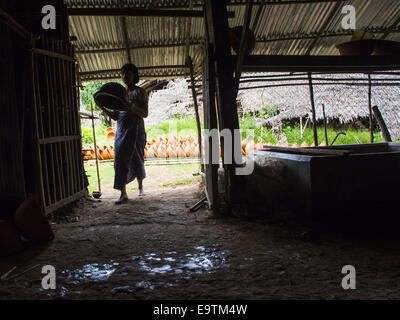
[(90, 273), (145, 285), (169, 259), (205, 260), (202, 260)]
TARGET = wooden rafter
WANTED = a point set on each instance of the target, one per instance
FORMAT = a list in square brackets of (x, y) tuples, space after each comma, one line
[(129, 12), (188, 30), (126, 41), (88, 73), (327, 21), (136, 47), (391, 28)]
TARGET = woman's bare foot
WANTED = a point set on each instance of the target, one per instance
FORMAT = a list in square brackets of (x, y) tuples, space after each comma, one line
[(122, 198), (140, 184)]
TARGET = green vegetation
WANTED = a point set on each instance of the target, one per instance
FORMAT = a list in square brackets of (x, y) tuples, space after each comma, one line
[(293, 135), (187, 126), (106, 175), (101, 140), (181, 182), (176, 126)]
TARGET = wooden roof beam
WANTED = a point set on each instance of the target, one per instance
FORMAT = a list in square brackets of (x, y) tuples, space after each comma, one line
[(88, 73), (141, 47), (128, 12), (142, 77), (307, 63), (156, 5)]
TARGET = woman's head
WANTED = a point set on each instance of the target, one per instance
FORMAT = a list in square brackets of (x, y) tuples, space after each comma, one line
[(130, 74)]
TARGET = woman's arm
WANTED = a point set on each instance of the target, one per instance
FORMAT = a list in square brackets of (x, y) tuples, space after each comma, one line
[(112, 114), (140, 106)]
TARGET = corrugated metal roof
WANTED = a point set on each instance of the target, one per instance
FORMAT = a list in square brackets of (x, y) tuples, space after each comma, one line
[(283, 29)]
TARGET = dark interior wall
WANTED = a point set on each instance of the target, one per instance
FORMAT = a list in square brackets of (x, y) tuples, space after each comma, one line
[(29, 14), (17, 173), (11, 167)]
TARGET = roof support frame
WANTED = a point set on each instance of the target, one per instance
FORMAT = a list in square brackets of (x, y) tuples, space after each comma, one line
[(129, 12), (332, 64)]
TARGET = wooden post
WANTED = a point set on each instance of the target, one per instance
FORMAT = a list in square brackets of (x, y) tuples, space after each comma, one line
[(325, 128), (196, 109), (313, 109), (39, 191), (382, 124), (210, 123), (218, 35), (95, 148), (371, 121)]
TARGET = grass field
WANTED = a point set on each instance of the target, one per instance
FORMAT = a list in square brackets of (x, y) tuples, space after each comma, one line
[(158, 177)]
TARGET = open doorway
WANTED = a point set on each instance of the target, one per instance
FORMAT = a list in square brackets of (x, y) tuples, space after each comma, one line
[(172, 151)]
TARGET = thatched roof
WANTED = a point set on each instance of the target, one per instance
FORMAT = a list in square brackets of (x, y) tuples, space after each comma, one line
[(343, 102)]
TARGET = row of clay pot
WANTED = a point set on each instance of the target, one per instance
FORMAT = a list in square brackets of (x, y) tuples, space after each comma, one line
[(178, 147), (103, 153), (172, 148)]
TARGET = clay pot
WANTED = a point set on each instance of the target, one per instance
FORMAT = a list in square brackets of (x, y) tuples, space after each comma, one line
[(100, 154), (187, 151), (259, 146), (172, 152), (150, 153), (10, 241), (197, 151), (295, 145), (356, 48), (161, 152), (323, 144), (111, 152), (110, 135), (193, 152), (31, 221), (108, 153), (304, 145), (180, 152), (250, 147), (235, 37)]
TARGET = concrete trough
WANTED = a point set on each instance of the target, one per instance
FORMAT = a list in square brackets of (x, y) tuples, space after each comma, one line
[(358, 180)]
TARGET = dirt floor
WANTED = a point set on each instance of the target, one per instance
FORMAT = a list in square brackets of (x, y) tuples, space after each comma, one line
[(153, 248)]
